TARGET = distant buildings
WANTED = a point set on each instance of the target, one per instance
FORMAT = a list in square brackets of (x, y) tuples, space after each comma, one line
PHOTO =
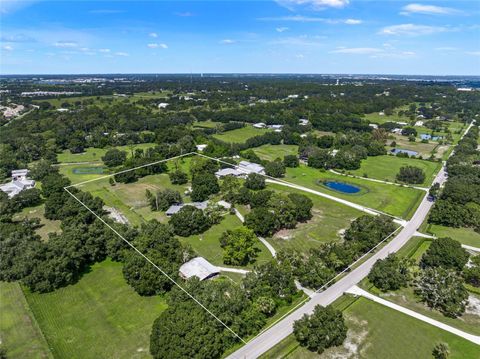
[(303, 122), (162, 105), (426, 136), (18, 183), (419, 123), (198, 267), (201, 147), (373, 125), (259, 125)]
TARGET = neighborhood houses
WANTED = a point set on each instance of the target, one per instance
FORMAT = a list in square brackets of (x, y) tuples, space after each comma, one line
[(18, 183)]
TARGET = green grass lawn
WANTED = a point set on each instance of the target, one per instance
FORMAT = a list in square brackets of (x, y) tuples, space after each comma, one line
[(78, 173), (93, 154), (387, 167), (207, 124), (376, 331), (272, 152), (464, 235), (98, 317), (19, 331), (394, 200), (240, 135), (329, 218), (47, 225), (207, 244)]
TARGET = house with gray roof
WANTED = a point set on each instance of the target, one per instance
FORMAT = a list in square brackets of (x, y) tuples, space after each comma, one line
[(198, 267)]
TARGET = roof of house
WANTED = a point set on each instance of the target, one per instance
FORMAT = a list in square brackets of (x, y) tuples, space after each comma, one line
[(251, 167), (228, 172), (198, 267), (22, 172), (177, 207)]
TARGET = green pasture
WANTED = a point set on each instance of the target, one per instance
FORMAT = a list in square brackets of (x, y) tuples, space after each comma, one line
[(272, 152), (395, 200), (466, 236), (376, 331), (93, 154), (240, 135), (101, 316), (19, 332), (387, 167), (328, 221)]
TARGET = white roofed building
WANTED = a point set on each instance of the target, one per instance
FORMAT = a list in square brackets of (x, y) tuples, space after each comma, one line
[(198, 267), (251, 167), (18, 183), (177, 207)]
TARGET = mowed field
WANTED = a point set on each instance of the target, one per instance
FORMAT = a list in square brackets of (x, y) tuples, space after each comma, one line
[(466, 236), (46, 225), (240, 135), (101, 316), (93, 154), (376, 331), (272, 152), (327, 224), (387, 167), (19, 331), (394, 200)]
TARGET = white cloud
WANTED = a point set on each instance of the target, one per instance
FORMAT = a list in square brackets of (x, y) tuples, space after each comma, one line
[(281, 29), (65, 44), (7, 48), (184, 14), (411, 30), (122, 54), (353, 22), (156, 46), (300, 56), (428, 10), (314, 4), (153, 34), (357, 50), (301, 18), (302, 40), (105, 51), (473, 53), (227, 41)]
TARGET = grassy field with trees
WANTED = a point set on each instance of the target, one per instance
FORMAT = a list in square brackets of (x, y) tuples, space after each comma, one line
[(376, 331), (100, 316), (92, 154), (387, 167), (272, 152), (240, 135), (394, 200)]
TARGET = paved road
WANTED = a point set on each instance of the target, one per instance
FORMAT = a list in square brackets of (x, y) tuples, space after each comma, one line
[(269, 338)]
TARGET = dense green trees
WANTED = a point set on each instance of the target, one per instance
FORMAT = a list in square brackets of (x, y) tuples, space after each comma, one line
[(275, 169), (411, 174), (255, 181), (323, 329), (178, 177), (471, 273), (239, 246), (204, 184), (443, 289), (290, 161), (446, 253), (114, 157), (390, 273), (189, 220)]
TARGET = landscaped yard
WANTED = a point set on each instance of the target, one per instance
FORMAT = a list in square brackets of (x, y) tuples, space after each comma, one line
[(329, 219), (272, 152), (98, 317), (376, 331), (240, 135), (466, 236), (394, 200), (207, 244), (19, 331), (387, 167)]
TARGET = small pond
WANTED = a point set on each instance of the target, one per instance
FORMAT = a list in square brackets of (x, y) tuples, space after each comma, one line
[(342, 187), (88, 170)]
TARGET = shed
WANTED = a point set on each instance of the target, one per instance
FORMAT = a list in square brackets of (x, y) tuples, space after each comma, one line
[(198, 267)]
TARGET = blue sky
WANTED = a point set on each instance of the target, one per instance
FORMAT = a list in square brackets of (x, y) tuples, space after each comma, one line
[(283, 36)]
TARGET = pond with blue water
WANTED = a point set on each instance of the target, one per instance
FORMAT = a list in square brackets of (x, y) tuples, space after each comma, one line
[(342, 187)]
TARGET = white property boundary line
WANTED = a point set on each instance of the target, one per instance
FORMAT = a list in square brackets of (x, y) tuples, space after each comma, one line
[(178, 285)]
